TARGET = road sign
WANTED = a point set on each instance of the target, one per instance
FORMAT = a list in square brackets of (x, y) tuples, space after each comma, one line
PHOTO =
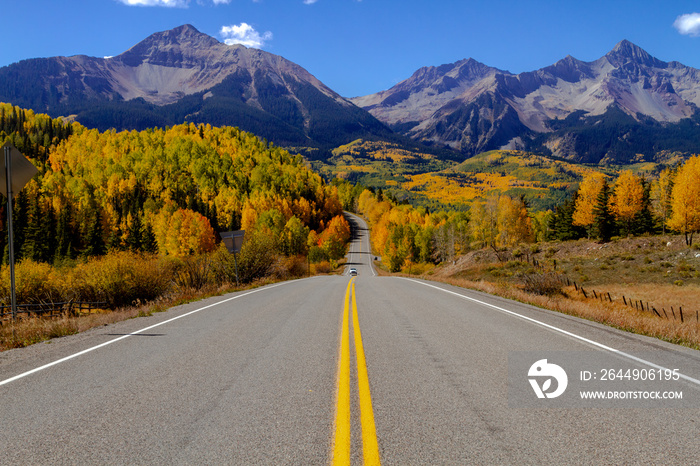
[(22, 170), (18, 171), (233, 240)]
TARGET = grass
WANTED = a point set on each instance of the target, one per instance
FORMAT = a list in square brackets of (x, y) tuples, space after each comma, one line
[(613, 314)]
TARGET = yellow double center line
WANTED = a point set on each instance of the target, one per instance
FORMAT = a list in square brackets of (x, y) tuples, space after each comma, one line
[(341, 447)]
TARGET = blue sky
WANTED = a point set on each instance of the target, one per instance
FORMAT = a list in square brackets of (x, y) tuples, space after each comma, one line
[(358, 47)]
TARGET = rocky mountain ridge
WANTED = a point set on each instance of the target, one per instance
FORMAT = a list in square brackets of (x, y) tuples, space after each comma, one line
[(185, 75), (482, 108)]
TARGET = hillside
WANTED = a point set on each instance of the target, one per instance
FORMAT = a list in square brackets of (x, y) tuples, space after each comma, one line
[(166, 191)]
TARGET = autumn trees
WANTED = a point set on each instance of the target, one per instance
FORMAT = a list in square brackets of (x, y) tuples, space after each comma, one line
[(165, 191), (404, 235), (630, 204), (685, 199), (603, 206)]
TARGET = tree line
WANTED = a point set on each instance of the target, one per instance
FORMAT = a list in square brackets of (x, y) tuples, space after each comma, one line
[(631, 205)]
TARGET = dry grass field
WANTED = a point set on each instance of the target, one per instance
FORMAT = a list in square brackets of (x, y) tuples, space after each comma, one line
[(659, 272)]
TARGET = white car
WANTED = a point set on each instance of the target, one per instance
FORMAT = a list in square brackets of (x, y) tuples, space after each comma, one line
[(352, 272)]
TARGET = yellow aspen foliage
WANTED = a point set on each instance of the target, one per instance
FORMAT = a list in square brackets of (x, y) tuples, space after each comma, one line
[(302, 210), (249, 217), (627, 199), (686, 199), (587, 197), (661, 195), (335, 237), (183, 232), (365, 201), (483, 223), (514, 223)]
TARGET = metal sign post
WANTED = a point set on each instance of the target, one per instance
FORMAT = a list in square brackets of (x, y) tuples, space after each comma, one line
[(24, 171), (10, 236), (233, 240)]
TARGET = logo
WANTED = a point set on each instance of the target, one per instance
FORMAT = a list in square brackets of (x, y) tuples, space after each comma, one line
[(545, 372)]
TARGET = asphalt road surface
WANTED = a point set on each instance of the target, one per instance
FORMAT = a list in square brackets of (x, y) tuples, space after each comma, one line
[(340, 369)]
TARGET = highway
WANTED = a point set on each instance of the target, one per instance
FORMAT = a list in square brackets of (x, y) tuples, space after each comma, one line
[(339, 369)]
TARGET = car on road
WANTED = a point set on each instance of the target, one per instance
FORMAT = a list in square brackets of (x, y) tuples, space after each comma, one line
[(352, 272)]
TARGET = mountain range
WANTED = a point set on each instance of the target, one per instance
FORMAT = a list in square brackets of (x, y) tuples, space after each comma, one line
[(622, 107), (625, 103)]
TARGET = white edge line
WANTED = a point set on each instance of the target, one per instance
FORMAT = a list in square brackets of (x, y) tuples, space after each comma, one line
[(557, 329), (80, 353)]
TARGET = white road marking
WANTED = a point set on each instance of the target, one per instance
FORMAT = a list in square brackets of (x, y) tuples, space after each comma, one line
[(557, 329), (80, 353)]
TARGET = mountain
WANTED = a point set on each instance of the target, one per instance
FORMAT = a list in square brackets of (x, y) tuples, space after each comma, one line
[(610, 110), (185, 75)]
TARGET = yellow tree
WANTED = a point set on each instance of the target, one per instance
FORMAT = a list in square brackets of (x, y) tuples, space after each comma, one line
[(514, 223), (588, 192), (627, 199), (483, 221), (686, 200), (661, 196), (180, 232), (335, 237)]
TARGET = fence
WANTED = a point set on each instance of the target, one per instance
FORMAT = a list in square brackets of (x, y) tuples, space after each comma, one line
[(639, 305), (51, 309)]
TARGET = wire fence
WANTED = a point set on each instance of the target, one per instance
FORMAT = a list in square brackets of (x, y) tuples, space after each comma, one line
[(72, 308), (637, 304)]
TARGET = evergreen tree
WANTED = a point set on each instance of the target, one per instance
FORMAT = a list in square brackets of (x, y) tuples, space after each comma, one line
[(19, 226), (149, 243), (603, 220), (65, 236), (561, 226), (93, 241), (32, 245), (644, 221), (135, 233), (114, 242)]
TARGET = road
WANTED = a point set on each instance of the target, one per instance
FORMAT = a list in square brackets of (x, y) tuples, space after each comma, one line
[(275, 375)]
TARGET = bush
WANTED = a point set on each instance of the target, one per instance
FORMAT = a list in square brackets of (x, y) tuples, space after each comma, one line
[(123, 278), (256, 257), (322, 267), (296, 266), (194, 272), (35, 283), (545, 284)]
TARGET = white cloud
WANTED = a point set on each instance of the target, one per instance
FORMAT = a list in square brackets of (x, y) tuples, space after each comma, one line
[(166, 3), (244, 34), (309, 2), (221, 2), (688, 24)]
